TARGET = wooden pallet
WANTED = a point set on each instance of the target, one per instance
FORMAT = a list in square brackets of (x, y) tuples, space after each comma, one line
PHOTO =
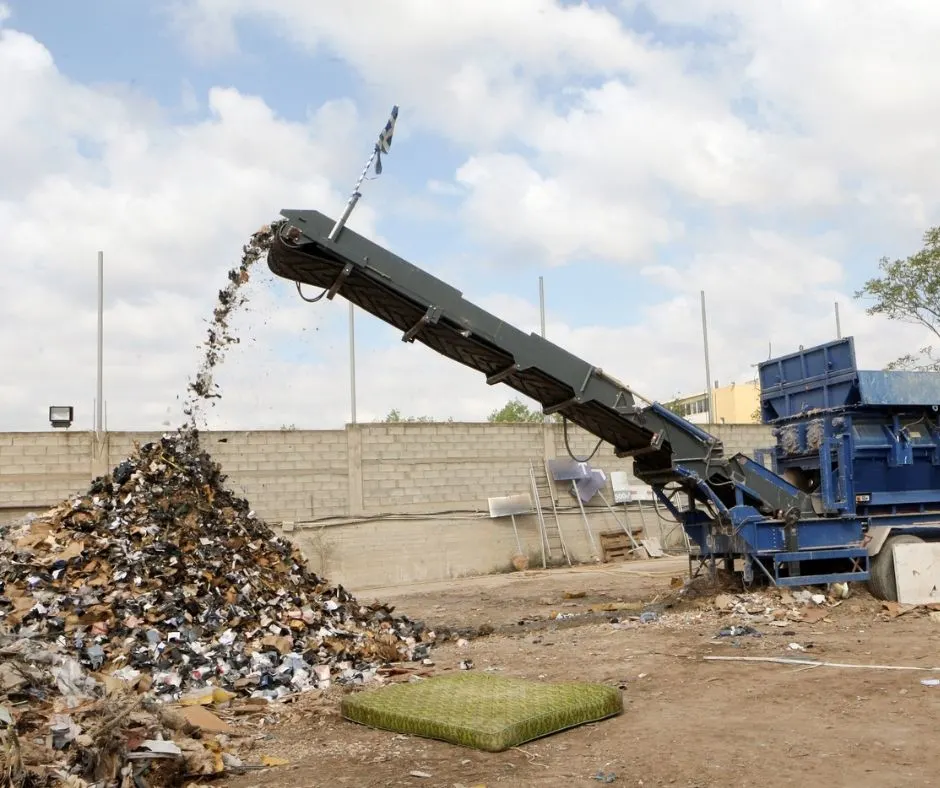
[(616, 545)]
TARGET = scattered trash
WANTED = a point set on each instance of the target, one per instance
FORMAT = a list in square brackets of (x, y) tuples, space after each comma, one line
[(815, 663), (466, 664), (814, 615), (804, 597), (724, 602), (648, 617), (419, 774), (840, 590), (605, 778), (204, 720), (739, 631), (930, 682), (796, 647)]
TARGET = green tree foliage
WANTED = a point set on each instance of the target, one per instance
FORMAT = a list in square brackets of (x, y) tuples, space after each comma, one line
[(673, 406), (394, 417), (515, 411), (909, 291)]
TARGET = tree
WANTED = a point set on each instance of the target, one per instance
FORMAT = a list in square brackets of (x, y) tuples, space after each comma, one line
[(515, 411), (909, 291), (394, 417), (673, 406)]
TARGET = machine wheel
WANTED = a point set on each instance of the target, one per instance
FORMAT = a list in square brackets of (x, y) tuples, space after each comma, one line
[(881, 584)]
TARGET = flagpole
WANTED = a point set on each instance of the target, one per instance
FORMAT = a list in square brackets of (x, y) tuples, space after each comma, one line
[(380, 147)]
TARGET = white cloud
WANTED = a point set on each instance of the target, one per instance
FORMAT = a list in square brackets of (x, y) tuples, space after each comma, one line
[(466, 68), (170, 206), (799, 110), (583, 139), (544, 215)]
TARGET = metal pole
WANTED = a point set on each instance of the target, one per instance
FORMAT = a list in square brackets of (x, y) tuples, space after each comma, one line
[(384, 143), (99, 402), (708, 366), (542, 304), (545, 419), (838, 324), (352, 360)]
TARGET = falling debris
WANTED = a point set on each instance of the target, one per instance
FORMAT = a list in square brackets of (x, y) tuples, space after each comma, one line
[(220, 338)]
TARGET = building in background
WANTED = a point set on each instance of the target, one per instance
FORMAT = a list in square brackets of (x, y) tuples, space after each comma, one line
[(737, 403)]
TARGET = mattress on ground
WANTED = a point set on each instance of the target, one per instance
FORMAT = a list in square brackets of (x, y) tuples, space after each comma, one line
[(482, 711)]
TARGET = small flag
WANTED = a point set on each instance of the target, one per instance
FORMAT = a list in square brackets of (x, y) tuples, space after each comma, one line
[(385, 140)]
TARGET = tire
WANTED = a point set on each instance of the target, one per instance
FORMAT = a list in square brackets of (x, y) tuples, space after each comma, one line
[(882, 582)]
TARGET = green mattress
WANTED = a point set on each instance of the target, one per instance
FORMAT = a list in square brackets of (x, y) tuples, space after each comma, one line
[(482, 711)]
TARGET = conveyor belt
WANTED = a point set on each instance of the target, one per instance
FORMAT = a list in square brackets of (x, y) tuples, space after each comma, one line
[(432, 312)]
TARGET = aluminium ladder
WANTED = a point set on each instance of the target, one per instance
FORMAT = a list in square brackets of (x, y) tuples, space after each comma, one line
[(553, 540)]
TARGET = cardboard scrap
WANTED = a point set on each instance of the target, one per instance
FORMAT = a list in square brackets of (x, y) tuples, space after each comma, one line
[(203, 719), (814, 615)]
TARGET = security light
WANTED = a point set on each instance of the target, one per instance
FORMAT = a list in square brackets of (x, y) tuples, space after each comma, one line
[(61, 415)]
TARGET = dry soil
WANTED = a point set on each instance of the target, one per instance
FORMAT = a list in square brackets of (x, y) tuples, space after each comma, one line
[(687, 721)]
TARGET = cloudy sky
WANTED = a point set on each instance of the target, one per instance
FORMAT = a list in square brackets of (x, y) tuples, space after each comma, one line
[(631, 153)]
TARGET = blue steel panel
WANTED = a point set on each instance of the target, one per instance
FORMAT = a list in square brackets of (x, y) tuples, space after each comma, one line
[(829, 532), (827, 360), (820, 377), (899, 388), (905, 497)]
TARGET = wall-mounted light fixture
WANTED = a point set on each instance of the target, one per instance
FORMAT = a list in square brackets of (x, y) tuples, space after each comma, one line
[(61, 415)]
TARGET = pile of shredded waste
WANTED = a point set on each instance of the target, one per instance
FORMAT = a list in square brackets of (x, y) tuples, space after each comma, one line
[(159, 588)]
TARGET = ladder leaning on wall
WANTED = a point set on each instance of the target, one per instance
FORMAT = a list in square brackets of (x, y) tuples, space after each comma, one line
[(553, 540)]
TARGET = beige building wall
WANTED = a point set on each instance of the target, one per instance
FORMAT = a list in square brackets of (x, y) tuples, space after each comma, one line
[(372, 504), (737, 403)]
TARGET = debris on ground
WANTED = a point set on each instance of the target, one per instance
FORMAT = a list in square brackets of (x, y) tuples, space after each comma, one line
[(896, 609), (734, 632), (130, 615)]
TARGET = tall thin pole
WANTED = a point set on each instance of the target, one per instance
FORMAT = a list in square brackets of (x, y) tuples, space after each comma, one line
[(545, 419), (382, 146), (708, 366), (838, 323), (542, 304), (99, 402), (352, 360)]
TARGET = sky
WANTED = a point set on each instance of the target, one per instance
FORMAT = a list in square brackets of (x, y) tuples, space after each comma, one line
[(632, 154)]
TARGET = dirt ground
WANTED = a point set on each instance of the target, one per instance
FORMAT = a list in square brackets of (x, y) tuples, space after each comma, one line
[(687, 721)]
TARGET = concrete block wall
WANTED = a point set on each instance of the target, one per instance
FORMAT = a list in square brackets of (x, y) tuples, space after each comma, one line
[(360, 502), (424, 467), (285, 474), (40, 469)]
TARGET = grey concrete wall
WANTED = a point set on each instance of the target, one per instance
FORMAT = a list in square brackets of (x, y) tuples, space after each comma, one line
[(373, 504)]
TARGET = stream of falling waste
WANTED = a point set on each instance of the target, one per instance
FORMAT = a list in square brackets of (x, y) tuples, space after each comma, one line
[(203, 388)]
